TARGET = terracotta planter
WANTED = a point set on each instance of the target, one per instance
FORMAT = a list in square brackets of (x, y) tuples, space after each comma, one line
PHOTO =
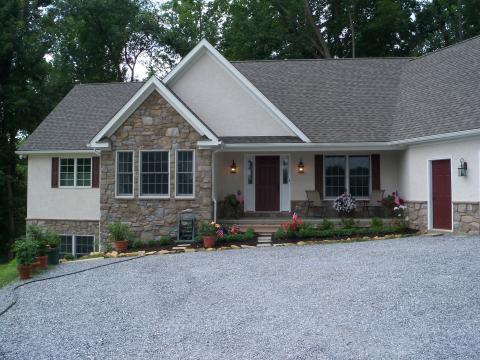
[(121, 246), (43, 260), (24, 271), (209, 241), (35, 265)]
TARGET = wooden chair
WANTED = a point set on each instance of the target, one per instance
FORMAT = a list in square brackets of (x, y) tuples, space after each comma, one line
[(314, 201), (375, 201)]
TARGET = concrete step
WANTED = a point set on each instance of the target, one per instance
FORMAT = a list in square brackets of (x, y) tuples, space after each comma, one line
[(264, 245)]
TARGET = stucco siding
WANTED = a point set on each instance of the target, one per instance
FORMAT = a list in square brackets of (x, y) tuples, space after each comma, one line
[(45, 202), (223, 103)]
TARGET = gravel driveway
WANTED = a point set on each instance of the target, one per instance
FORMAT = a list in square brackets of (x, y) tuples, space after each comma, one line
[(406, 298)]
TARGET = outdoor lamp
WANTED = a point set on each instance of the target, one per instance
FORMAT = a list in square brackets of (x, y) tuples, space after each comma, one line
[(462, 170), (300, 167), (233, 167)]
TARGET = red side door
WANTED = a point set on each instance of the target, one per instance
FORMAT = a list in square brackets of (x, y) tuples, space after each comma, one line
[(267, 183), (442, 194)]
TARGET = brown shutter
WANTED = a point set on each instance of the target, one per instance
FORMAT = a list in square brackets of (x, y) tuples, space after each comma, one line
[(54, 172), (319, 174), (95, 172), (376, 172)]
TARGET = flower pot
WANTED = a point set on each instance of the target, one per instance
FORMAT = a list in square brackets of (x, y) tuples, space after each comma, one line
[(53, 256), (24, 271), (35, 265), (121, 246), (209, 241), (43, 260)]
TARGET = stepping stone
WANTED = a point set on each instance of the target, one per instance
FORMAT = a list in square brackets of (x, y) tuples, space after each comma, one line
[(183, 245), (260, 241), (247, 246), (264, 245)]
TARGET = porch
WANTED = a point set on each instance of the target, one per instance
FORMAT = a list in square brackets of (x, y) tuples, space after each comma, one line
[(270, 186)]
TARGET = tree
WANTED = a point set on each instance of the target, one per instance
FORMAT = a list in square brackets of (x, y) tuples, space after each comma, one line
[(23, 72)]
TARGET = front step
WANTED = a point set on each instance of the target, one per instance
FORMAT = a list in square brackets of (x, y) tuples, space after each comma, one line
[(264, 241)]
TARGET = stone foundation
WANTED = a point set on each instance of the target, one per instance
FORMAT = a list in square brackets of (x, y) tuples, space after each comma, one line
[(417, 215), (155, 125), (69, 227), (466, 218)]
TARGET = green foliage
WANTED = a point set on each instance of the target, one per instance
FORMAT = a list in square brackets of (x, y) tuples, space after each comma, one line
[(151, 243), (69, 257), (376, 223), (327, 224), (165, 241), (349, 223), (25, 250), (350, 232), (249, 234), (280, 234), (40, 236), (138, 244), (53, 239), (8, 272), (119, 231), (206, 228)]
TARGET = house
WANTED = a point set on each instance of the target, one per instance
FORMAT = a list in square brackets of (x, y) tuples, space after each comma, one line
[(141, 152)]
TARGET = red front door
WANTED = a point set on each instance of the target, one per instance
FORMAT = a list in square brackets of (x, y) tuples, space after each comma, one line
[(441, 195), (267, 183)]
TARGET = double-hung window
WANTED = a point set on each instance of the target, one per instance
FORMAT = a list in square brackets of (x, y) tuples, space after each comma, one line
[(185, 173), (124, 173), (347, 174), (75, 172), (154, 173)]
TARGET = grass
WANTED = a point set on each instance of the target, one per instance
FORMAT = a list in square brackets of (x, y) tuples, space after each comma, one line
[(8, 272)]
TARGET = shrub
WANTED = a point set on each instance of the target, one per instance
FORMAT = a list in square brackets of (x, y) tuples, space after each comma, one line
[(327, 224), (53, 239), (151, 243), (119, 231), (348, 223), (207, 229), (39, 236), (376, 223), (69, 257), (138, 244), (25, 250), (280, 234), (165, 241)]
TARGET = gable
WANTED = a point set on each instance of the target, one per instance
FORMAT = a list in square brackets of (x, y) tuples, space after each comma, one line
[(224, 100)]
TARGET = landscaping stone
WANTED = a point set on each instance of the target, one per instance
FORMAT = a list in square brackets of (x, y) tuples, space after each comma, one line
[(247, 246), (301, 243), (151, 253), (235, 247), (264, 245), (211, 249), (163, 252)]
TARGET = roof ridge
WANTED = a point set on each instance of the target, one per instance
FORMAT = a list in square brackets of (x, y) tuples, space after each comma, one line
[(329, 59), (433, 52), (111, 83)]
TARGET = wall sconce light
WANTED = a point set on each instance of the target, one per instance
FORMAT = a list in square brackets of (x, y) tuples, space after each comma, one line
[(462, 170), (233, 167), (300, 167)]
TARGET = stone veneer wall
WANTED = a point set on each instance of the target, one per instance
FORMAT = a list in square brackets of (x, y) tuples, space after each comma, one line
[(69, 227), (466, 216), (155, 125)]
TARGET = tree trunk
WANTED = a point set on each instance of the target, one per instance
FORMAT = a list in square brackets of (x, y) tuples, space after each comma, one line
[(319, 39), (352, 30)]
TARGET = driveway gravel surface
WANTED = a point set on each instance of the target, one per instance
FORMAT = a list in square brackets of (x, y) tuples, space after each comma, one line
[(410, 298)]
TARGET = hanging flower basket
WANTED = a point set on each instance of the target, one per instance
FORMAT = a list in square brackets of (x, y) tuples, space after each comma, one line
[(345, 205)]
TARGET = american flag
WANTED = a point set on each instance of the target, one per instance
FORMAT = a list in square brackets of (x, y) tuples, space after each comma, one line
[(220, 232)]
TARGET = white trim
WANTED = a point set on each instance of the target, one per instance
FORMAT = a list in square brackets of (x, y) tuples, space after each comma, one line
[(430, 191), (116, 175), (152, 196), (54, 152), (204, 46), (140, 96), (185, 197), (375, 146)]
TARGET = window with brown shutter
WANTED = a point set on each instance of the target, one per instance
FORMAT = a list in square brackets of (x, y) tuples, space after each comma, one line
[(319, 174), (54, 172), (95, 172), (375, 158)]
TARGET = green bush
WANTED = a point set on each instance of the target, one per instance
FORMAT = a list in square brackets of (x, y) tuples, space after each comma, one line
[(349, 223), (69, 257), (351, 232), (53, 239), (25, 250), (327, 224), (138, 244), (151, 243), (280, 234), (206, 228), (38, 235), (376, 223), (249, 234), (119, 231), (165, 241)]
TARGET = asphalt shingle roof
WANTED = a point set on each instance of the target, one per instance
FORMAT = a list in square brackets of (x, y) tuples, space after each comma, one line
[(337, 100), (81, 114)]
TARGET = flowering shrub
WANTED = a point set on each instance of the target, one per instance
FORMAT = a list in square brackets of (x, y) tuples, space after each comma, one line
[(392, 200), (345, 204)]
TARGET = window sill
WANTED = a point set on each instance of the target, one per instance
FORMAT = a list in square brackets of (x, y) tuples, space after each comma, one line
[(181, 197), (154, 197), (125, 197)]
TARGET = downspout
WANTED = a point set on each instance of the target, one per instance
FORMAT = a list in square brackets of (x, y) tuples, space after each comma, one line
[(100, 247), (214, 198)]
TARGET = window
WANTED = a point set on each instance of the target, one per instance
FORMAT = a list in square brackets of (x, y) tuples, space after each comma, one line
[(125, 173), (76, 172), (67, 172), (347, 172), (154, 173), (84, 172), (66, 242), (84, 245), (335, 175), (285, 171), (185, 163), (359, 173), (250, 172)]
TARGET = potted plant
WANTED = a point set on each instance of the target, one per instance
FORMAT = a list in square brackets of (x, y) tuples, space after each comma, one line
[(37, 235), (345, 205), (53, 252), (208, 233), (25, 250), (119, 234)]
